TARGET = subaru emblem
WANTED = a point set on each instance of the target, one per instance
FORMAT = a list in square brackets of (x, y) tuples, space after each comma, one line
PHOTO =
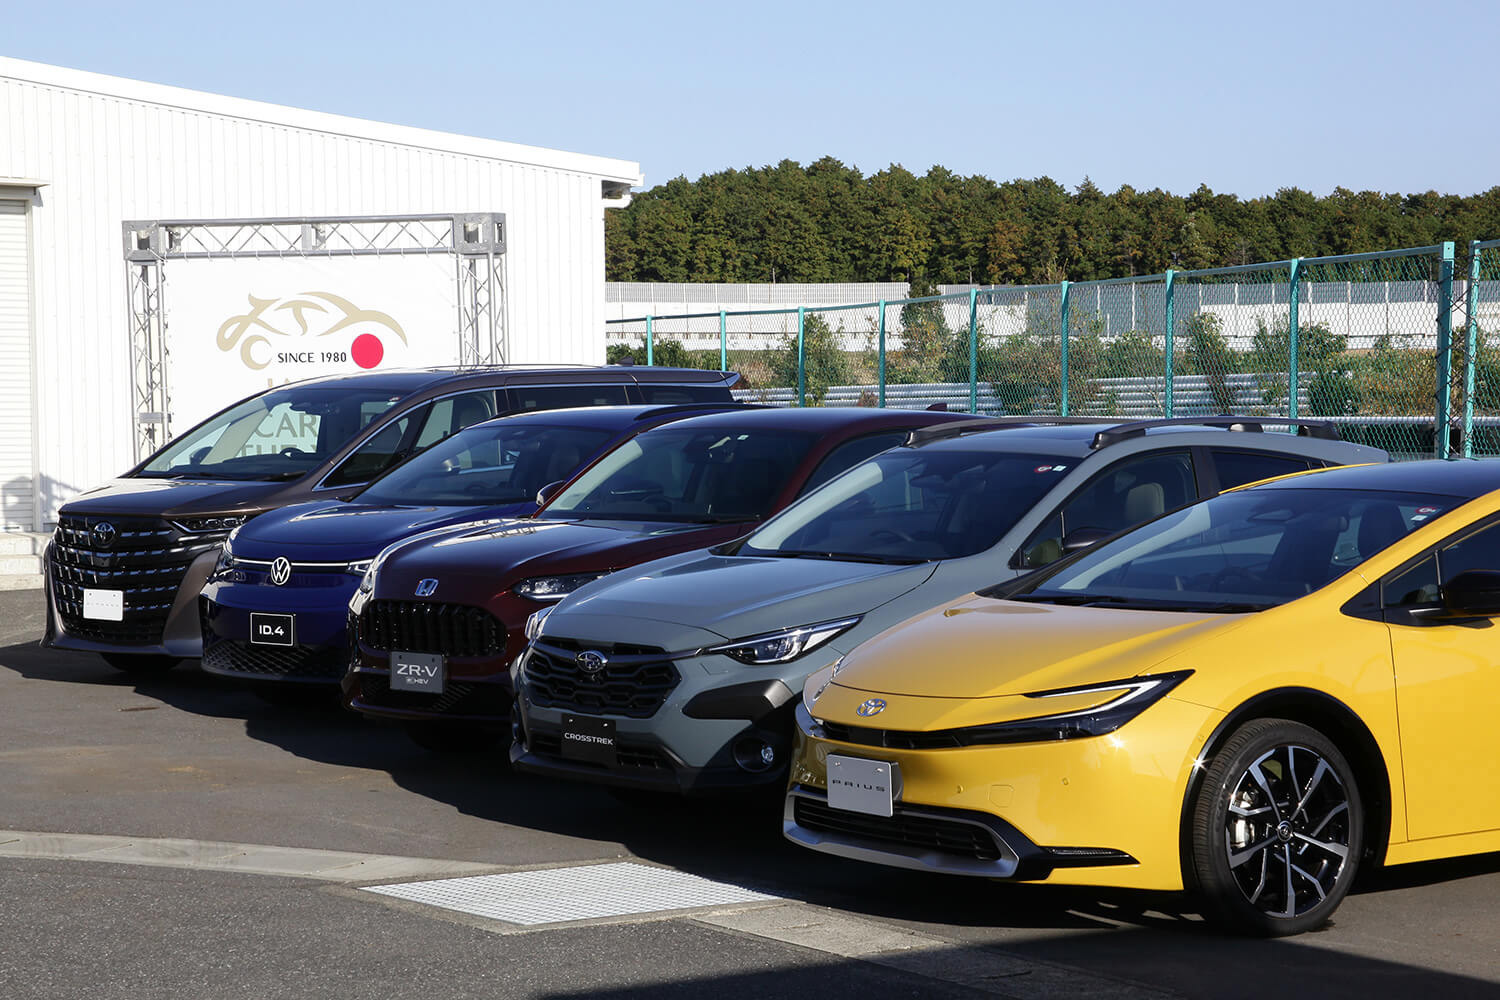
[(104, 534), (281, 570), (425, 588), (591, 662), (874, 706)]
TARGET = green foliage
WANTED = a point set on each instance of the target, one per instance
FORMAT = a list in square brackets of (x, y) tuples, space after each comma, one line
[(826, 363), (1208, 354), (665, 352)]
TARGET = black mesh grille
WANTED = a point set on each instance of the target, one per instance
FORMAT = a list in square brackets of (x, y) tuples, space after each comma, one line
[(649, 758), (893, 738), (458, 698), (925, 832), (424, 627), (635, 690), (232, 657), (146, 558)]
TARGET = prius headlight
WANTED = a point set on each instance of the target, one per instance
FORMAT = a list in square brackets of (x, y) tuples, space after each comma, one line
[(554, 588), (1131, 697), (788, 644)]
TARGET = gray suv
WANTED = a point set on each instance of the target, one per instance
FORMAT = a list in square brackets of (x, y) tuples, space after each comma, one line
[(733, 632)]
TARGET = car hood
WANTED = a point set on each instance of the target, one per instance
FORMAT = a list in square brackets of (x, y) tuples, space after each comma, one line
[(328, 530), (980, 648), (733, 596), (472, 562), (172, 497)]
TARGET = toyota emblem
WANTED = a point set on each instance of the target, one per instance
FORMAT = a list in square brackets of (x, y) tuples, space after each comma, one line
[(104, 534), (281, 570), (873, 706), (591, 662)]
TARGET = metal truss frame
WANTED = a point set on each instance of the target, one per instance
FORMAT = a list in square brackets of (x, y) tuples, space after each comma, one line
[(475, 241)]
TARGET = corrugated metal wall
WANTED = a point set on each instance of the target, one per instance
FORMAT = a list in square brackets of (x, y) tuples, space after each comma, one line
[(107, 158), (17, 487)]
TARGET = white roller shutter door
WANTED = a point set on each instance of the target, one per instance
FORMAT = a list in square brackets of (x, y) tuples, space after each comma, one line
[(17, 473)]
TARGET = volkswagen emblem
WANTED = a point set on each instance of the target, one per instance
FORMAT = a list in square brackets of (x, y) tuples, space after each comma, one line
[(591, 662), (281, 570), (104, 534), (873, 706), (425, 588)]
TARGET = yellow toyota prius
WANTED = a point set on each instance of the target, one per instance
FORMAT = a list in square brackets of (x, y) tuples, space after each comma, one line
[(1248, 698)]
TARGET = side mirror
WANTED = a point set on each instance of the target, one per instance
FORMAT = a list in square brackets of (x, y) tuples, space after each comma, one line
[(548, 492), (1082, 538), (1475, 593)]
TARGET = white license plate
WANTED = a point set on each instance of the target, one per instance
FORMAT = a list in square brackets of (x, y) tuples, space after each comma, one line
[(859, 785), (104, 605), (417, 672)]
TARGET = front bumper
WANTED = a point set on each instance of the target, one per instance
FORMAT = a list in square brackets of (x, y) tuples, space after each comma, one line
[(1098, 811), (318, 653), (168, 625)]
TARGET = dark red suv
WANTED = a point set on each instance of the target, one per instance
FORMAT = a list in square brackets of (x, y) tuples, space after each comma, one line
[(439, 618)]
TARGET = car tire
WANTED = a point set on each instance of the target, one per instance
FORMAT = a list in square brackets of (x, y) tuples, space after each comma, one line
[(1277, 829), (141, 664), (440, 738)]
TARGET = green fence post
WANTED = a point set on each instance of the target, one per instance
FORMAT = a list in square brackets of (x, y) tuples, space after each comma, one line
[(1062, 315), (1171, 333), (723, 342), (973, 350), (801, 358), (650, 342), (1445, 349), (881, 387), (1294, 299), (1471, 351)]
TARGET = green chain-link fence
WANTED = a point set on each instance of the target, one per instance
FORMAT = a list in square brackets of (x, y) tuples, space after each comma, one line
[(1363, 339)]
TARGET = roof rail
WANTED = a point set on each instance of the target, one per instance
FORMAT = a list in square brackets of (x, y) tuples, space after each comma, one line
[(1309, 428), (662, 411), (939, 432)]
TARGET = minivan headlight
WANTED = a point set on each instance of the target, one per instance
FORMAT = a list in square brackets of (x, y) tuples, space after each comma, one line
[(788, 644)]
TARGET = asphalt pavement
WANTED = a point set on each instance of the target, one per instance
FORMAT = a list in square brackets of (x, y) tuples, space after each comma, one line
[(184, 837)]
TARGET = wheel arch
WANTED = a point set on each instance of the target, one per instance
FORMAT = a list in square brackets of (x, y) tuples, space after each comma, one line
[(1329, 716)]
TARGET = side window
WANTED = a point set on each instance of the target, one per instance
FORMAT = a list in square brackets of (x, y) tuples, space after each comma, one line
[(553, 397), (665, 395), (1480, 550), (850, 454), (1236, 468), (1420, 585), (1134, 490), (384, 449), (1415, 586), (451, 415)]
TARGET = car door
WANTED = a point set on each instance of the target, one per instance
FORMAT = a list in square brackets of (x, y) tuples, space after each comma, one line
[(1447, 688)]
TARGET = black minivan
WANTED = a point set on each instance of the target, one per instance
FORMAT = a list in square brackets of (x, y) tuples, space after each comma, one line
[(126, 563)]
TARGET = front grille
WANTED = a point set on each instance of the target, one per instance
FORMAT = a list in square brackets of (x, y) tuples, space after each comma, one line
[(271, 661), (458, 698), (895, 739), (146, 558), (425, 627), (638, 757), (632, 689), (930, 833)]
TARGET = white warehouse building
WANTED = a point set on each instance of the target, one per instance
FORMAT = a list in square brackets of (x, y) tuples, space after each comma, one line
[(165, 251)]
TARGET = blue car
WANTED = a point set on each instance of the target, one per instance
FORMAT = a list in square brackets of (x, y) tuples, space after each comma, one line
[(275, 606)]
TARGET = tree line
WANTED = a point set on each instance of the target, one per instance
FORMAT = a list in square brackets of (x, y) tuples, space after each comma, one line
[(829, 222)]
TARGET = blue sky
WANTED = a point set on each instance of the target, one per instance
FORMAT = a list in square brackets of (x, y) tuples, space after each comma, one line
[(1244, 98)]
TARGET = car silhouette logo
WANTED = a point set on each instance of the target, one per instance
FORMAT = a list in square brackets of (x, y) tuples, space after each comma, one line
[(104, 534), (872, 707), (591, 662), (281, 570), (425, 588)]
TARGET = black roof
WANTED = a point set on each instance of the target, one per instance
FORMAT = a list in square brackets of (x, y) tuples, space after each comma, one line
[(609, 417), (417, 379), (1468, 478), (823, 420)]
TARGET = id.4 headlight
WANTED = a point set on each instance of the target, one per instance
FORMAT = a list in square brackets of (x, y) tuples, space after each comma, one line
[(225, 562), (788, 644), (554, 588)]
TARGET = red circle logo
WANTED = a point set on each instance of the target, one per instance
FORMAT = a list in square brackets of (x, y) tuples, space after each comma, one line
[(367, 350)]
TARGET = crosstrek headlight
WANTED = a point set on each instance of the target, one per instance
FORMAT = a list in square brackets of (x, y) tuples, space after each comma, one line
[(788, 644), (534, 624), (554, 588)]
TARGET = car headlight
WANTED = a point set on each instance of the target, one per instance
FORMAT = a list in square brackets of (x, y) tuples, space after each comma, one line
[(788, 644), (210, 525), (554, 588), (366, 582), (1132, 697), (360, 568), (225, 562), (534, 624)]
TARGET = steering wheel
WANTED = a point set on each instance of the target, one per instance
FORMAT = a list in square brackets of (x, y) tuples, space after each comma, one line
[(291, 451), (889, 533)]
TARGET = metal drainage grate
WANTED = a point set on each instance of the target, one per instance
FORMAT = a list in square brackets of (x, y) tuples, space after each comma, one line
[(558, 895)]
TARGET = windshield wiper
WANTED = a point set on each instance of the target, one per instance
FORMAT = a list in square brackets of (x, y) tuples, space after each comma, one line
[(844, 557)]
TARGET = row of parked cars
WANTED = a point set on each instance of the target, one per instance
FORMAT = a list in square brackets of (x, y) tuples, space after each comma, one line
[(1161, 654)]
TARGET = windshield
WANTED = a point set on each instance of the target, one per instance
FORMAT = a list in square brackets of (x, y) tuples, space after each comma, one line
[(683, 474), (1243, 551), (494, 463), (912, 505), (281, 434)]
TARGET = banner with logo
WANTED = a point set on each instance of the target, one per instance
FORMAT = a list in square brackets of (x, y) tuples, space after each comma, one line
[(237, 326)]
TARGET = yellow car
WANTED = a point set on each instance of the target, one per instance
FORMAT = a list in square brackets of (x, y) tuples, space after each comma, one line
[(1249, 697)]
